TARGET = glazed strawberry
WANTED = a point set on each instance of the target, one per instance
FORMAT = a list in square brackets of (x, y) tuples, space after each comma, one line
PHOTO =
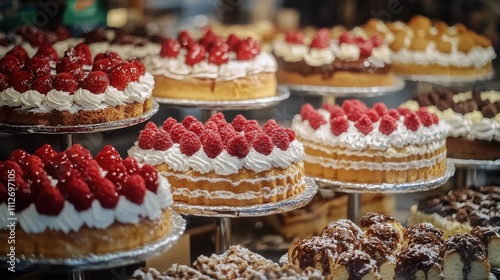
[(25, 195), (387, 124), (107, 54), (411, 121), (306, 110), (338, 125), (212, 126), (20, 53), (270, 126), (239, 123), (251, 125), (195, 54), (346, 38), (39, 59), (321, 39), (364, 125), (316, 120), (38, 69), (355, 113), (21, 81), (83, 55), (163, 141), (119, 77), (9, 64), (74, 69), (168, 123), (218, 54), (62, 62), (376, 41), (134, 189), (105, 65), (403, 111), (280, 139), (107, 157), (170, 48), (372, 114), (294, 37), (380, 108), (238, 146), (105, 193), (147, 139), (129, 68), (247, 49), (150, 176), (49, 201), (46, 153), (131, 165), (65, 82), (138, 64), (291, 134), (394, 114), (365, 48), (189, 143), (177, 132), (212, 144), (196, 127), (96, 82), (263, 144), (226, 132), (47, 51), (78, 193), (188, 120), (4, 82), (232, 41), (185, 39)]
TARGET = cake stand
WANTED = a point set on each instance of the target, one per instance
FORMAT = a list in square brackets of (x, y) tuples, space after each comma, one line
[(471, 167), (224, 213), (76, 266)]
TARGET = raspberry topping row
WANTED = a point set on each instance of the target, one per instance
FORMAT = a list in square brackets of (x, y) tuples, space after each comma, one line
[(364, 117), (81, 179), (216, 135)]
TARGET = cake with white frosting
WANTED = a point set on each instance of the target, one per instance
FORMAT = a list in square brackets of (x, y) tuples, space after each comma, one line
[(69, 204), (221, 163), (347, 61), (356, 144), (212, 68)]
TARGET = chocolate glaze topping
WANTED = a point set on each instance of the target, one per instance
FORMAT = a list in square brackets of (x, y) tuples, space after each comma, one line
[(357, 263), (422, 232), (375, 218), (468, 247), (417, 257), (387, 233), (342, 225), (313, 251), (486, 234), (375, 248)]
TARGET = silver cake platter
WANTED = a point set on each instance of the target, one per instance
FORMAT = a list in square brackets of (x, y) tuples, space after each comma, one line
[(476, 164), (265, 209), (84, 128), (447, 80), (347, 92), (417, 186), (282, 93), (110, 260)]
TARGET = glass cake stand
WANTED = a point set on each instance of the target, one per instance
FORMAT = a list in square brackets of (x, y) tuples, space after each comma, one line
[(224, 213), (76, 266)]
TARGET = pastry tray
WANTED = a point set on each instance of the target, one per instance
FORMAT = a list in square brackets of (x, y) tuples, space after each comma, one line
[(282, 93), (250, 211), (476, 164), (84, 128), (104, 261), (348, 92), (417, 186), (448, 80)]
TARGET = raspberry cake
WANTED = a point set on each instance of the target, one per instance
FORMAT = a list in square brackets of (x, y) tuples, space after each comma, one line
[(350, 61), (212, 68), (357, 144), (71, 90), (221, 163), (69, 204)]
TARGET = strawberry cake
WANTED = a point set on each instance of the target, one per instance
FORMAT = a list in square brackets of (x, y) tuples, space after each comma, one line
[(73, 89), (220, 163), (356, 144), (68, 204), (350, 61), (212, 69)]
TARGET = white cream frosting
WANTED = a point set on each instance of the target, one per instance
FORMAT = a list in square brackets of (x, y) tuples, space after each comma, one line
[(87, 99), (349, 52), (10, 97), (31, 99)]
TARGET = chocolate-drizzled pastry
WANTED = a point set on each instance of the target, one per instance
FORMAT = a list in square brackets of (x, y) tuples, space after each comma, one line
[(331, 229), (385, 258), (375, 218), (355, 265), (423, 234), (388, 234), (316, 252), (419, 262), (490, 237), (465, 251)]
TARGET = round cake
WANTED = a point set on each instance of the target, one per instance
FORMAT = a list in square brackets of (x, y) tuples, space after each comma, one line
[(423, 48), (349, 61), (71, 90), (68, 204), (221, 163), (354, 143), (212, 68)]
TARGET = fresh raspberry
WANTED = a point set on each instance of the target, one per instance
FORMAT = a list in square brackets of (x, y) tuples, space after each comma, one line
[(335, 110), (105, 193), (212, 126), (218, 118), (376, 40), (10, 165), (189, 143), (134, 189), (291, 134), (355, 113), (294, 38), (321, 39), (306, 110), (218, 54), (251, 135), (20, 53), (9, 64), (185, 39), (47, 51), (207, 38), (25, 195), (262, 143), (338, 125), (21, 81), (170, 48), (78, 193), (119, 77), (138, 64), (107, 157), (316, 120), (150, 176), (4, 82), (212, 144), (78, 155), (107, 54), (33, 161), (105, 65), (46, 153), (349, 105), (247, 49), (372, 114), (65, 82), (238, 146), (393, 113), (364, 125), (38, 69), (117, 173), (131, 165), (270, 126), (168, 123), (387, 124), (365, 48), (177, 132), (163, 141), (35, 173), (232, 41), (74, 69), (60, 167), (346, 38), (49, 201), (147, 138), (188, 120), (425, 116), (411, 121), (226, 132), (96, 82), (435, 118), (42, 84), (403, 111), (239, 123), (83, 55), (90, 171), (280, 139), (251, 125), (195, 54), (197, 127)]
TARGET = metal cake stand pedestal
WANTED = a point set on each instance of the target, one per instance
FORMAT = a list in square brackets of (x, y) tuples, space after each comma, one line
[(469, 168)]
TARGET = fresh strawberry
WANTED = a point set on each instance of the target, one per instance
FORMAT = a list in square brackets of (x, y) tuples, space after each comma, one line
[(62, 33), (168, 123), (294, 37), (321, 39), (33, 161), (46, 153), (197, 127), (131, 165), (247, 49), (306, 110), (355, 113), (47, 51), (107, 157), (78, 193), (212, 126), (19, 157), (119, 77), (74, 69), (134, 189), (77, 156), (376, 40), (316, 120), (372, 114), (62, 62), (195, 54), (96, 82), (393, 113), (188, 120), (364, 125), (126, 67), (39, 59), (170, 48), (147, 139), (105, 65), (42, 84), (9, 64), (212, 143), (83, 55), (19, 52), (232, 41), (163, 141), (49, 201), (185, 39), (291, 134), (107, 54), (365, 48), (150, 176), (177, 132), (411, 121), (4, 82), (387, 124), (105, 193), (251, 125), (270, 126), (238, 146), (338, 125), (403, 111), (21, 81), (346, 38), (239, 123), (65, 82), (262, 143), (38, 69), (218, 54), (138, 64), (189, 143)]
